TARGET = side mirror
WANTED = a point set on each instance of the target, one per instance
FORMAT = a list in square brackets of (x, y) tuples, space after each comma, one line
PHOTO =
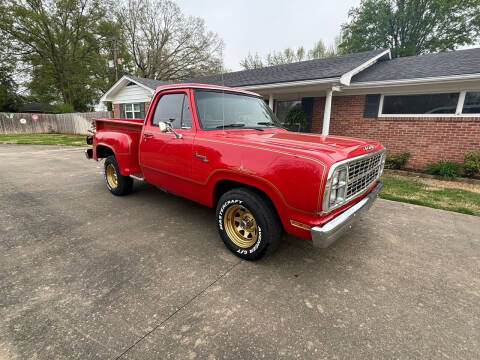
[(167, 127), (163, 126)]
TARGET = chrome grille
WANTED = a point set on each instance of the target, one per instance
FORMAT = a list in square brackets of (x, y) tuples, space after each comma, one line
[(358, 173), (362, 174)]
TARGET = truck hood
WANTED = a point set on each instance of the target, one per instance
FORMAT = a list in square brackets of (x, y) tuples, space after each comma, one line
[(336, 148)]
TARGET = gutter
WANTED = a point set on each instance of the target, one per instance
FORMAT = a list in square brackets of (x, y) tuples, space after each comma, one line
[(291, 83), (415, 81)]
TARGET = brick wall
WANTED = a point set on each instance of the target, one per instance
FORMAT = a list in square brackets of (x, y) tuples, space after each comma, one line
[(116, 111), (427, 139), (147, 106)]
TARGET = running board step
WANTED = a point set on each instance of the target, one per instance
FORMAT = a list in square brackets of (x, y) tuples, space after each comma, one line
[(137, 176)]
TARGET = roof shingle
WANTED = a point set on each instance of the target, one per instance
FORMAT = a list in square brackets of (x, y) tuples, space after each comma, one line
[(151, 83), (449, 63), (305, 70)]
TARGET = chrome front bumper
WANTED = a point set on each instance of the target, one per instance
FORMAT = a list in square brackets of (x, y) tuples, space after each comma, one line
[(325, 235)]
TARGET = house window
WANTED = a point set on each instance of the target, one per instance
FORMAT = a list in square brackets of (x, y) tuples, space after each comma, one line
[(420, 104), (471, 104), (133, 111), (284, 107)]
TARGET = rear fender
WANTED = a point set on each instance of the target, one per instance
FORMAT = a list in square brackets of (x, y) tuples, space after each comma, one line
[(121, 146)]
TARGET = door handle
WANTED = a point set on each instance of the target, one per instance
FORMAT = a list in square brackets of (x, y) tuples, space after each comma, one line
[(147, 135), (203, 157)]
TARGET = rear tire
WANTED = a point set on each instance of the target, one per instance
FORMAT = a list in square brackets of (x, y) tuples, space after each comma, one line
[(248, 223), (117, 183)]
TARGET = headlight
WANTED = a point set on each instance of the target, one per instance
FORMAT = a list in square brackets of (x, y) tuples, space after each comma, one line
[(337, 187)]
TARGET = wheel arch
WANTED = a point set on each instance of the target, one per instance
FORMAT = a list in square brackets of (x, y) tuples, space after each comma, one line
[(103, 151), (224, 184)]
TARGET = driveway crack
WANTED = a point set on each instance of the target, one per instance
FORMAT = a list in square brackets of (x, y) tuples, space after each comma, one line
[(179, 309)]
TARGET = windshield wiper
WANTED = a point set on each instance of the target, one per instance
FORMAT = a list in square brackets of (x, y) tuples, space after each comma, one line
[(231, 125), (265, 123), (239, 125)]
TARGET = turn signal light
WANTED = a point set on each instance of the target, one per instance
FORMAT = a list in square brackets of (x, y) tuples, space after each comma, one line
[(300, 225)]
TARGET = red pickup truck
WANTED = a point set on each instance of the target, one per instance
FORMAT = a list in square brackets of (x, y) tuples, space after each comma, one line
[(224, 148)]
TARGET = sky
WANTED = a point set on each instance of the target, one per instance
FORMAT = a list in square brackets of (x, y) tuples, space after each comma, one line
[(262, 26)]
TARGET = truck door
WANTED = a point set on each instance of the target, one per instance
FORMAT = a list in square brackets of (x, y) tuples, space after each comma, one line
[(166, 160)]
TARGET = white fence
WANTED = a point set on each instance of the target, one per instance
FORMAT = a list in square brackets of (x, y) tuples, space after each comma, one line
[(75, 123)]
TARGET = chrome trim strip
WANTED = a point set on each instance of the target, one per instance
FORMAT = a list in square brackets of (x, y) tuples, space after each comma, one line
[(323, 236), (137, 178), (326, 194)]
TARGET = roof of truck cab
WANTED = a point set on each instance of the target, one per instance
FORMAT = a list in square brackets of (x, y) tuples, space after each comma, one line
[(203, 86)]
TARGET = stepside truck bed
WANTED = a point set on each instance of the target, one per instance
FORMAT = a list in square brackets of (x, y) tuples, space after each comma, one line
[(122, 138)]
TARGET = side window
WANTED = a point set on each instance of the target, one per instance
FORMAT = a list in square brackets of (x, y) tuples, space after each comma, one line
[(186, 120), (169, 109), (173, 108)]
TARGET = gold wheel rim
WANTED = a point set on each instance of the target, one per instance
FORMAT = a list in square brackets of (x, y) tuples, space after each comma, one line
[(240, 226), (111, 176)]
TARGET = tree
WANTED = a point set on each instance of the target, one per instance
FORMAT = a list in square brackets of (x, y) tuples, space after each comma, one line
[(289, 55), (320, 51), (166, 45), (252, 62), (10, 101), (411, 27), (60, 44)]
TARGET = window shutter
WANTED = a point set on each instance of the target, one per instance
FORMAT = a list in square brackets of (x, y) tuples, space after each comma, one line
[(122, 111), (372, 102), (307, 104), (142, 110)]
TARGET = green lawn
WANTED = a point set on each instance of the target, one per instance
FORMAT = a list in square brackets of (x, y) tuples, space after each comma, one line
[(43, 139), (415, 192)]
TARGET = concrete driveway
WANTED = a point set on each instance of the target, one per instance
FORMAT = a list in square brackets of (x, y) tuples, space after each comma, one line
[(85, 274)]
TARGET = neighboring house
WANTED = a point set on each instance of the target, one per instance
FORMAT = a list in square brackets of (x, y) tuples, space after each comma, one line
[(131, 96), (428, 105)]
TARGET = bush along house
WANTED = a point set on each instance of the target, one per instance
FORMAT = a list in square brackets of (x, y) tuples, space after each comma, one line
[(427, 105)]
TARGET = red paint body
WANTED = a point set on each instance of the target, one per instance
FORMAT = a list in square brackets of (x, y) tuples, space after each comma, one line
[(291, 168)]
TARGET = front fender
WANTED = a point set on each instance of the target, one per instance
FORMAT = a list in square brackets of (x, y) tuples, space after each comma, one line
[(254, 181)]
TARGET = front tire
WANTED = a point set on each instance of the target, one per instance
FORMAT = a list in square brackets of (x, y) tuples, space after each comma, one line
[(248, 223), (117, 183)]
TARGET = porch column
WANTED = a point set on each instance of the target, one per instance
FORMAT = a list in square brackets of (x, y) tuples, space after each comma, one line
[(326, 112), (270, 102)]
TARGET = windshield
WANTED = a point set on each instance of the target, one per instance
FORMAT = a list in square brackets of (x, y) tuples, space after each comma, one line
[(217, 109)]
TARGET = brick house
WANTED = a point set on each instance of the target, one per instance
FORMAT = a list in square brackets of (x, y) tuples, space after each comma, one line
[(428, 105), (130, 96)]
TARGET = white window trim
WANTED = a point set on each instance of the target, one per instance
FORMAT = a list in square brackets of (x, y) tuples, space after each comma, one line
[(458, 112), (133, 111)]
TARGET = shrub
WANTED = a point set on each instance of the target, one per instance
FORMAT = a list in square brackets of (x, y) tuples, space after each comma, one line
[(471, 164), (444, 168), (397, 161), (61, 108), (296, 116)]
